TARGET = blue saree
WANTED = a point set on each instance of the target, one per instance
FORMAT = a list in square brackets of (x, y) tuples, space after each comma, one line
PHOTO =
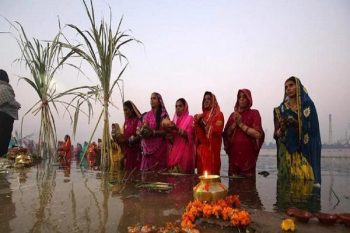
[(299, 148)]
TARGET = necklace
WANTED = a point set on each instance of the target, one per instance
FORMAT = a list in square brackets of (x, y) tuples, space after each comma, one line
[(293, 106)]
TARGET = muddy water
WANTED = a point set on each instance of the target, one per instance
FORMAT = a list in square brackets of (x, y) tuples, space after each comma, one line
[(47, 198)]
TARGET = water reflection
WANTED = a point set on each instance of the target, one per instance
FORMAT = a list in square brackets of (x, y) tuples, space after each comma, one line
[(247, 191), (297, 193), (46, 183), (48, 198), (8, 208), (155, 208)]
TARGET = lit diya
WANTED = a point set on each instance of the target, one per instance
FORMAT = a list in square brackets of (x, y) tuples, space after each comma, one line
[(209, 188)]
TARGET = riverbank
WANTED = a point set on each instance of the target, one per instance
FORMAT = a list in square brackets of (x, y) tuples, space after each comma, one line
[(267, 222)]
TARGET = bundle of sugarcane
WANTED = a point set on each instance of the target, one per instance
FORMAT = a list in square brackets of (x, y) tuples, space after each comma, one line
[(100, 45)]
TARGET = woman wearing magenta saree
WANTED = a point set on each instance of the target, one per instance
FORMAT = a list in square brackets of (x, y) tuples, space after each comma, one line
[(153, 137), (243, 136), (129, 140), (182, 153)]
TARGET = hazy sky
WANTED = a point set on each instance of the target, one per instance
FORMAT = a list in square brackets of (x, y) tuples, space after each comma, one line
[(193, 46)]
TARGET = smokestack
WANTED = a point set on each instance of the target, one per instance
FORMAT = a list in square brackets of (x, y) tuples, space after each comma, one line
[(330, 136)]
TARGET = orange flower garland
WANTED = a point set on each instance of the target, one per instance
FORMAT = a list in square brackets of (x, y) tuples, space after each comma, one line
[(227, 209)]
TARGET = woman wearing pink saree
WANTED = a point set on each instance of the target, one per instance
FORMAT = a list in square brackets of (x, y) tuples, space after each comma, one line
[(153, 137), (182, 153)]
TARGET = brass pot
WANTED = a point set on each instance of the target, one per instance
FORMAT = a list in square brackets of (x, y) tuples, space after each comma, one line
[(209, 189)]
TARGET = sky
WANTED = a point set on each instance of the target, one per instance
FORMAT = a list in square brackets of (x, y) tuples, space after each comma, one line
[(189, 47)]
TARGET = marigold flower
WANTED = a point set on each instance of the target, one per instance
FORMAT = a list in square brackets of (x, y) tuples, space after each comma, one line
[(226, 208), (244, 218), (226, 213), (222, 203), (217, 210), (207, 210), (169, 225), (233, 200), (234, 219), (197, 204), (186, 224), (288, 225), (194, 211)]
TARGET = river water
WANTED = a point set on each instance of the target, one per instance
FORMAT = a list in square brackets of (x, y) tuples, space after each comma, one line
[(48, 198)]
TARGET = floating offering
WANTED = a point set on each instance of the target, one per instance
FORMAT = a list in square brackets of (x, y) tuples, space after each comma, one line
[(14, 152), (156, 186)]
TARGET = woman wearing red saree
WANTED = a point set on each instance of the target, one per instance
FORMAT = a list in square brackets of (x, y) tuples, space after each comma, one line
[(153, 137), (67, 150), (182, 152), (208, 128), (243, 136)]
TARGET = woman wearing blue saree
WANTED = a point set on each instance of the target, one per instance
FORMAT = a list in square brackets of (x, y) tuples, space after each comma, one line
[(297, 134)]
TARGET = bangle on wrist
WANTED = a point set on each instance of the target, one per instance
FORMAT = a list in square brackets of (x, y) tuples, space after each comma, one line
[(246, 130), (240, 125)]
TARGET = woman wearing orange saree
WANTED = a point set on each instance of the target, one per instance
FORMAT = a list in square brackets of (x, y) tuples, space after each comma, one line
[(67, 150), (208, 128)]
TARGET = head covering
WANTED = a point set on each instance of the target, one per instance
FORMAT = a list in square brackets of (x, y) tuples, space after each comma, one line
[(3, 76), (161, 112), (248, 94), (178, 119), (308, 127), (303, 101), (211, 114), (133, 108), (164, 112)]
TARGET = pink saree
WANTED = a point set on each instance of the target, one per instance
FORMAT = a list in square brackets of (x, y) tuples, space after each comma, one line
[(182, 152), (154, 149)]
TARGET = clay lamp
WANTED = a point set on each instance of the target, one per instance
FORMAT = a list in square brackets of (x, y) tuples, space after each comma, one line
[(301, 215), (345, 218), (325, 218)]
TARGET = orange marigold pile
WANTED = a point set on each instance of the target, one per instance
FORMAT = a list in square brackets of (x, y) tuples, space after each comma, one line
[(226, 209)]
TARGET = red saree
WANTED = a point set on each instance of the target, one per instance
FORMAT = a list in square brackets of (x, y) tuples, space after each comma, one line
[(132, 150), (131, 147), (242, 149), (208, 140), (67, 151)]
